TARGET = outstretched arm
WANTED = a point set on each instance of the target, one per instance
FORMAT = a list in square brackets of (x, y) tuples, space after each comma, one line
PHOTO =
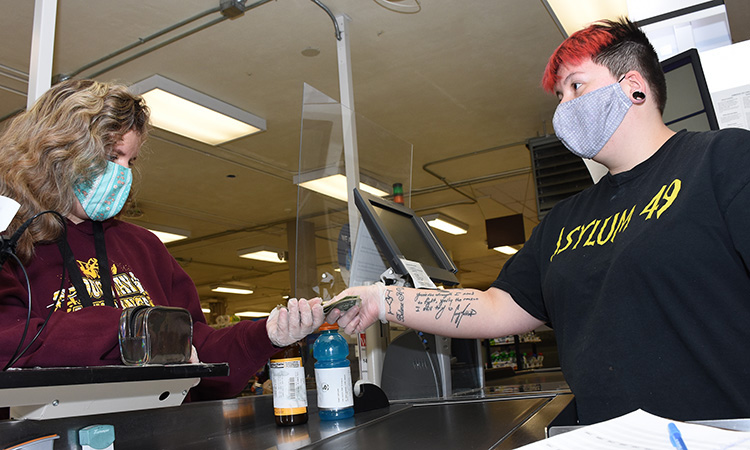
[(461, 313)]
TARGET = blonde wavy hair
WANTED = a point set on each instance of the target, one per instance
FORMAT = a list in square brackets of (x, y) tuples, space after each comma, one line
[(65, 138)]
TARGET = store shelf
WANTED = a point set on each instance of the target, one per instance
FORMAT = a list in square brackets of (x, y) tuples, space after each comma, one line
[(518, 352)]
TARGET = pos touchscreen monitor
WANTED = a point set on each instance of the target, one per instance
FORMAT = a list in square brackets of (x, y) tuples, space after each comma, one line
[(399, 233)]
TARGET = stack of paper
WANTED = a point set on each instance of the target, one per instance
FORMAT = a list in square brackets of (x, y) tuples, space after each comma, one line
[(641, 430)]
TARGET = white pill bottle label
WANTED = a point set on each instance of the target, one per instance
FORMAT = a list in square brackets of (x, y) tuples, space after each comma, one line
[(289, 393)]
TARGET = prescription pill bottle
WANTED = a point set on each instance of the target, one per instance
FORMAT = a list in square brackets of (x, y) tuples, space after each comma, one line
[(289, 391)]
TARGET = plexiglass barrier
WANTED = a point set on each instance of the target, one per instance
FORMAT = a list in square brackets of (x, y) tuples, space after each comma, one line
[(322, 257)]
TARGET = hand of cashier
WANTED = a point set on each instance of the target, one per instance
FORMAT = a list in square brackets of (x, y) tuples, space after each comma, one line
[(291, 323), (361, 316)]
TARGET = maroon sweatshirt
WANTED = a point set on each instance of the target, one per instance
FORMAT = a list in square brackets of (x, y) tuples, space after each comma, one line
[(143, 272)]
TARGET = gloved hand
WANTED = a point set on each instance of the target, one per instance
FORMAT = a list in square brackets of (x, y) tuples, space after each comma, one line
[(194, 356), (287, 325), (358, 318)]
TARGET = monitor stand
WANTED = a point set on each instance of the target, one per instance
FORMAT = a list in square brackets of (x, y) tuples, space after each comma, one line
[(417, 366), (443, 354)]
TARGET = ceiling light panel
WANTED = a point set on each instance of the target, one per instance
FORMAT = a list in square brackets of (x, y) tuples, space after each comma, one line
[(446, 223), (232, 290), (507, 249), (331, 181), (165, 233), (263, 253), (253, 314), (187, 112), (167, 237)]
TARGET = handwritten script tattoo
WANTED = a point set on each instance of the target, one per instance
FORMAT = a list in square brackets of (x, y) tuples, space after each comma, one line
[(400, 298), (457, 304), (389, 299)]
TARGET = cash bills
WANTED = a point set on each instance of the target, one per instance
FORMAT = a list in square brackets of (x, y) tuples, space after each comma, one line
[(343, 304)]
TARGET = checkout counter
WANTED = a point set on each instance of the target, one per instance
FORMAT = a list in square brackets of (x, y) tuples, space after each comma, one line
[(502, 413), (487, 419)]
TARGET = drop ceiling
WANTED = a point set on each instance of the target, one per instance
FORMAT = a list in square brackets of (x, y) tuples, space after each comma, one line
[(453, 80)]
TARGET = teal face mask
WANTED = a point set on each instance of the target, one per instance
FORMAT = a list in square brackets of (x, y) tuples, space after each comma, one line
[(104, 196)]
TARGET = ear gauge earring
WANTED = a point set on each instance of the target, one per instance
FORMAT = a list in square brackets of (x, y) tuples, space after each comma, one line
[(638, 95)]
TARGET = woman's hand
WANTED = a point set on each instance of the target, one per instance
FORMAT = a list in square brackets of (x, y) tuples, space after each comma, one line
[(194, 356), (287, 325), (359, 317)]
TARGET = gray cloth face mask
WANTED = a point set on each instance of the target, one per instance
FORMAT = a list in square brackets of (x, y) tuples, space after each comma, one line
[(586, 123)]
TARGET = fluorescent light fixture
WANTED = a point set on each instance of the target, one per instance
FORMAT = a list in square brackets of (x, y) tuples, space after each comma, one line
[(254, 314), (263, 253), (165, 233), (507, 249), (232, 289), (206, 310), (331, 181), (167, 237), (573, 15), (187, 112), (335, 186), (446, 223)]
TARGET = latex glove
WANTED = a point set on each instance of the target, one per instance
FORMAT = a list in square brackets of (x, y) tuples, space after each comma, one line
[(287, 325), (194, 356), (370, 309)]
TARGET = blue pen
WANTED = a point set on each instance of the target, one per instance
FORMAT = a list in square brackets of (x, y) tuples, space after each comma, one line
[(675, 437)]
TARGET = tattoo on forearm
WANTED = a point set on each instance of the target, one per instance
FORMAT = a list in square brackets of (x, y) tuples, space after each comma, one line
[(400, 298), (389, 303), (396, 295), (457, 304)]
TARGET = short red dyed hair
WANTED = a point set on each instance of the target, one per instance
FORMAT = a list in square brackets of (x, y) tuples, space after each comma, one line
[(620, 46), (580, 46)]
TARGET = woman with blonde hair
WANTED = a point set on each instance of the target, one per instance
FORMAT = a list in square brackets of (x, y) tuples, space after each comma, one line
[(67, 134), (71, 154)]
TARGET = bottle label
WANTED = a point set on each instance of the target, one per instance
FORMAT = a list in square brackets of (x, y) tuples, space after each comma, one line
[(289, 392), (334, 387)]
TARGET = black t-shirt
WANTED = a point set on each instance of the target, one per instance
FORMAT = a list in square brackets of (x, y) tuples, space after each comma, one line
[(644, 278)]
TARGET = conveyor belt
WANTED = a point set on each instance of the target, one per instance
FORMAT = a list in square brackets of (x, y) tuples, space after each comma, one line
[(497, 421)]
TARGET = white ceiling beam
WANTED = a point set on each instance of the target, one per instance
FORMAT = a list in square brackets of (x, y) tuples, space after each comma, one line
[(42, 49)]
